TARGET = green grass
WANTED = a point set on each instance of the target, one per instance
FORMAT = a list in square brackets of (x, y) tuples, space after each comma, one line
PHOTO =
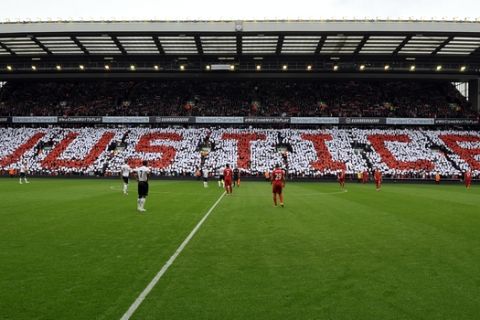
[(77, 249)]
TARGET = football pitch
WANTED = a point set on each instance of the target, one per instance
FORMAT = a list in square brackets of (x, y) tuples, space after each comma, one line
[(78, 249)]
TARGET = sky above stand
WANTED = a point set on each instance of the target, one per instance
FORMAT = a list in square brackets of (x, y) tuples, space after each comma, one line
[(25, 10)]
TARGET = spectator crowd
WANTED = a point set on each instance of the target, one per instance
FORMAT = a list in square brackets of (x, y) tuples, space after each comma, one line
[(423, 99), (180, 151)]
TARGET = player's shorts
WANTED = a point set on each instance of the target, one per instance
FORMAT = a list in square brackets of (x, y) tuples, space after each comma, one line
[(277, 188), (22, 174), (205, 179), (125, 180), (228, 182), (220, 177), (235, 178), (142, 189)]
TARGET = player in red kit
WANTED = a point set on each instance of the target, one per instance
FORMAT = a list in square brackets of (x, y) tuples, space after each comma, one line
[(378, 179), (278, 183), (468, 179), (227, 176), (341, 178), (365, 176)]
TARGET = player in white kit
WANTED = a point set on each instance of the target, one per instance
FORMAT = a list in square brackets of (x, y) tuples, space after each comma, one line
[(221, 181), (205, 174), (142, 174), (125, 172), (23, 172)]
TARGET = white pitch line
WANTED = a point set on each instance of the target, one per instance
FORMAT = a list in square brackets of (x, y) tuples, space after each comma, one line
[(165, 267)]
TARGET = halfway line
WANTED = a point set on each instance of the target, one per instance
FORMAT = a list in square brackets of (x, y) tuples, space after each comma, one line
[(165, 267)]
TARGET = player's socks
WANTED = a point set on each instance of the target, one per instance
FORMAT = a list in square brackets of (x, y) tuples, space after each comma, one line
[(142, 204), (275, 199), (205, 184)]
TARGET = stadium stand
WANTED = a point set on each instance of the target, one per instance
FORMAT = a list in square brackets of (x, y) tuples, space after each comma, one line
[(410, 98), (410, 153)]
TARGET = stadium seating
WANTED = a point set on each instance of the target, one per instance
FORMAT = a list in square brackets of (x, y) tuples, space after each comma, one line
[(461, 147), (407, 152), (176, 151), (239, 98), (309, 156)]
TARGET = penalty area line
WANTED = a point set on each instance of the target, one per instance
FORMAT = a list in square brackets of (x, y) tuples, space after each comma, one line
[(170, 261)]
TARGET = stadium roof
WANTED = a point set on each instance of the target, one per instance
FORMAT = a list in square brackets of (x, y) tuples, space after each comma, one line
[(321, 44)]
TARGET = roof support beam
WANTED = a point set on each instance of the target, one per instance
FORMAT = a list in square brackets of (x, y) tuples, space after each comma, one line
[(198, 43), (158, 44), (361, 44), (239, 44), (442, 45), (119, 45), (38, 43), (7, 48), (402, 44), (79, 44), (320, 44), (475, 53), (279, 44)]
